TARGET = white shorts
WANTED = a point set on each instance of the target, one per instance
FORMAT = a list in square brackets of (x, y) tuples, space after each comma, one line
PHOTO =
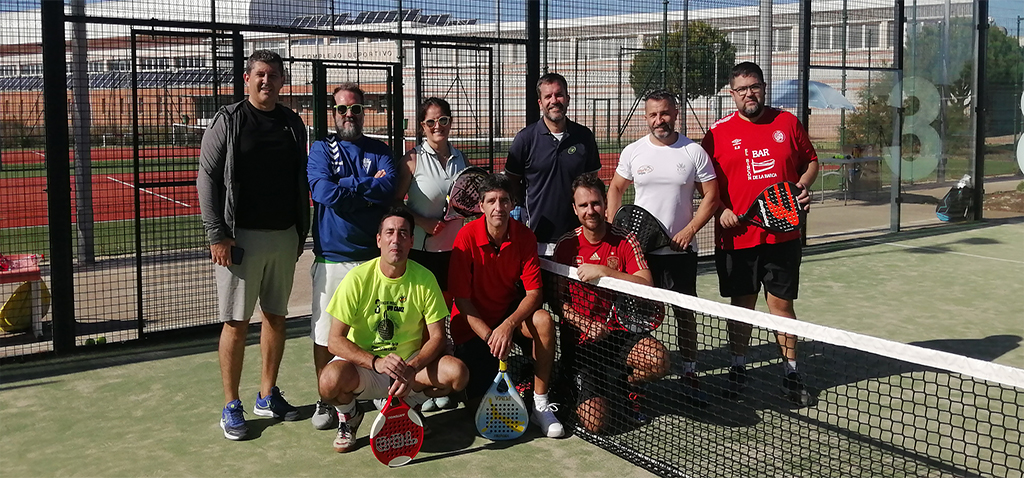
[(375, 385), (326, 279), (266, 273)]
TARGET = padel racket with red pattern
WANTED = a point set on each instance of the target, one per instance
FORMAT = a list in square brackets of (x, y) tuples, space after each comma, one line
[(635, 314), (776, 208), (397, 433), (464, 195)]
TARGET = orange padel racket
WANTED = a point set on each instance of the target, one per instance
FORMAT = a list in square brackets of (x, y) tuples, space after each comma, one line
[(776, 209), (397, 433)]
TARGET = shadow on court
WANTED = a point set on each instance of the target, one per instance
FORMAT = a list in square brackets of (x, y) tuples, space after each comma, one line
[(817, 249), (155, 346), (882, 409)]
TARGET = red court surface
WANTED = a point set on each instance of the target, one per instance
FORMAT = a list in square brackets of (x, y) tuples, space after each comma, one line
[(23, 200), (105, 154)]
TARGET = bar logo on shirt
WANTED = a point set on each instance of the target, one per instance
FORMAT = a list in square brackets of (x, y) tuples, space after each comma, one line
[(779, 136)]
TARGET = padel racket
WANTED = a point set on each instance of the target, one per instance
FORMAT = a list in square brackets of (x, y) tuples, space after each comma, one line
[(502, 414), (463, 195), (635, 314), (776, 209), (643, 225), (397, 433)]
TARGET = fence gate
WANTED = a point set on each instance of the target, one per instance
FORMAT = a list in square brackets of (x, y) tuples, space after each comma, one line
[(464, 76), (381, 85), (173, 100)]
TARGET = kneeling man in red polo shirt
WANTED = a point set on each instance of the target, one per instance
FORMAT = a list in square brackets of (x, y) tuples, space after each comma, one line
[(494, 262)]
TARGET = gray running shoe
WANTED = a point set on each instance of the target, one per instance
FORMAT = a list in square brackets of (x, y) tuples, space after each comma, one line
[(325, 417)]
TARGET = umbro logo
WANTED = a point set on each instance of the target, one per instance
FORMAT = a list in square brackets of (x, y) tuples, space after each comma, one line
[(736, 144)]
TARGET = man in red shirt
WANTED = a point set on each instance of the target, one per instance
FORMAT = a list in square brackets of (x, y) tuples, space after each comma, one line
[(609, 359), (494, 261), (753, 148)]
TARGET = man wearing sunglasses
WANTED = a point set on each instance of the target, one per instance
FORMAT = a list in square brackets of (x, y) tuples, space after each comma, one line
[(751, 149), (352, 179)]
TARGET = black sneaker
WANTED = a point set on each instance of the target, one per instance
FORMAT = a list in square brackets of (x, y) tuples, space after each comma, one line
[(274, 405), (796, 392), (691, 389), (636, 409), (737, 382)]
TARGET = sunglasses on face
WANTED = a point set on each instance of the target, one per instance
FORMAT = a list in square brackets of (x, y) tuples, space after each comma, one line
[(344, 109), (755, 88), (443, 121)]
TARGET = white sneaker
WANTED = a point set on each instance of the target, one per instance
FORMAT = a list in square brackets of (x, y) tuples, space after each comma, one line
[(545, 419)]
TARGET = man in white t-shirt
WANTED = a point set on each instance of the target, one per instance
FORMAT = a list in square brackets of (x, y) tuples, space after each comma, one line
[(666, 167)]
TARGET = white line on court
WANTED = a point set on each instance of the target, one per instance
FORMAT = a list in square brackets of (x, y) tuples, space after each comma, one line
[(942, 251), (40, 154), (161, 196)]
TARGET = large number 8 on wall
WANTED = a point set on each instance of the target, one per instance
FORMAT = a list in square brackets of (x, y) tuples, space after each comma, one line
[(919, 124)]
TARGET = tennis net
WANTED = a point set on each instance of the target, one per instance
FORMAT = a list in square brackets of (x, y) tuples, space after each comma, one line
[(874, 407)]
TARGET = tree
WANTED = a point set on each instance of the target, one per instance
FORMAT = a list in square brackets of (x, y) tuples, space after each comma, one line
[(707, 48), (872, 123)]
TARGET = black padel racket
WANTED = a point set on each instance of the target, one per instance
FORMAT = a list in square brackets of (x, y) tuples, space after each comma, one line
[(643, 225), (635, 314), (776, 209), (463, 196)]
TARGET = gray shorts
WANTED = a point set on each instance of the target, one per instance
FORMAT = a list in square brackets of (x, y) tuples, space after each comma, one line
[(266, 273)]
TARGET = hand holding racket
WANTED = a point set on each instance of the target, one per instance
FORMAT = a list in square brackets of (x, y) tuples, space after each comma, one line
[(463, 195), (502, 415), (644, 226), (397, 433), (777, 209)]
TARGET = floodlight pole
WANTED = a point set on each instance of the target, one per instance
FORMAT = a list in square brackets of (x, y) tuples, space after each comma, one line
[(58, 175), (978, 103), (1020, 88), (896, 103), (532, 60), (664, 46)]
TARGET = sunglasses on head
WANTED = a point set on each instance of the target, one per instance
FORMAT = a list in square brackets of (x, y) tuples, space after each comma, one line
[(443, 121), (343, 109)]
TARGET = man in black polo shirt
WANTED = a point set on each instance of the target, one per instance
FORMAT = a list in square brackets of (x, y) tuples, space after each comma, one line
[(254, 199), (546, 157)]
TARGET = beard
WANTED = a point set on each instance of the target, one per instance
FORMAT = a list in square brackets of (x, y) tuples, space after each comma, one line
[(752, 111), (555, 116), (661, 131), (349, 130)]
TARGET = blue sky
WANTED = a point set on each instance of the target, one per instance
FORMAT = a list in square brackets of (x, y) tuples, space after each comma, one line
[(1005, 12)]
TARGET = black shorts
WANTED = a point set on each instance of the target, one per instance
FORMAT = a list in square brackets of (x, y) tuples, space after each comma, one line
[(600, 367), (675, 272), (436, 262), (742, 271), (483, 366)]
